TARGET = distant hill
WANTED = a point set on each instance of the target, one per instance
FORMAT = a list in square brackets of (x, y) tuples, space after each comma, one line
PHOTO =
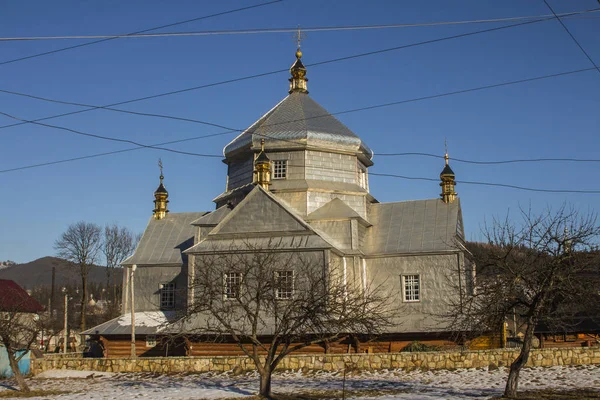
[(38, 273)]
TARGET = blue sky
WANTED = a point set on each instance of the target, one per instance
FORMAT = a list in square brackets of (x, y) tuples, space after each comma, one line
[(549, 118)]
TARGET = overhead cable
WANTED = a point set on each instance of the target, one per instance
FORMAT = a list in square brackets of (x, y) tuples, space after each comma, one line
[(138, 32), (255, 31), (189, 89)]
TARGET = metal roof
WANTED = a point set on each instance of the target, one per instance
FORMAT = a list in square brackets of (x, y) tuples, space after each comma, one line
[(146, 323), (164, 240), (213, 218), (336, 209), (413, 227), (298, 120)]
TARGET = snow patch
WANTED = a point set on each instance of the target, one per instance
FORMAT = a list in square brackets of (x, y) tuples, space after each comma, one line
[(65, 373), (148, 319)]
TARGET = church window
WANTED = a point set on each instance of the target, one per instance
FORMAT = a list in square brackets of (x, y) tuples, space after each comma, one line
[(232, 285), (284, 285), (411, 288), (167, 295), (280, 169)]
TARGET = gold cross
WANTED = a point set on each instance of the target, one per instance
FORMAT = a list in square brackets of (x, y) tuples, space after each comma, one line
[(299, 36), (160, 166)]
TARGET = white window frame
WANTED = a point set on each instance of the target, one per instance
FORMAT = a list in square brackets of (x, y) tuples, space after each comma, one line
[(290, 277), (150, 340), (167, 296), (280, 169), (411, 288), (229, 279)]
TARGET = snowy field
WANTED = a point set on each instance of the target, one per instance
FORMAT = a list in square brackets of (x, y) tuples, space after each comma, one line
[(383, 385)]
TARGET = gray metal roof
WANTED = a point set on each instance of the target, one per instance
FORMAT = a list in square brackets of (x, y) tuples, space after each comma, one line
[(413, 227), (288, 242), (164, 240), (298, 120), (336, 209), (213, 218), (146, 323)]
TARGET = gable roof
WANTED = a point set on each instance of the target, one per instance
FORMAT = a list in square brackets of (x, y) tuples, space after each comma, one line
[(414, 227), (213, 218), (336, 209), (260, 212), (301, 120), (13, 298), (261, 220), (164, 240)]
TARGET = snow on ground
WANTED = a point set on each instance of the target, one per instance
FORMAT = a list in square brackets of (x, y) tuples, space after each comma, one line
[(450, 385)]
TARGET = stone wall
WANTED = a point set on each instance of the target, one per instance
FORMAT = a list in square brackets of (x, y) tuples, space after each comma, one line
[(425, 360)]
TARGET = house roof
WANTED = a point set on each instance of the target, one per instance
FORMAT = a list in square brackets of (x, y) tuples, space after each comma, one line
[(146, 323), (164, 240), (414, 227), (298, 120), (13, 298)]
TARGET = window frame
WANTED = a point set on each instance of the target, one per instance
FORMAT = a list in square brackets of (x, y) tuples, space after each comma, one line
[(167, 290), (286, 293), (280, 169), (151, 341), (415, 295), (227, 283)]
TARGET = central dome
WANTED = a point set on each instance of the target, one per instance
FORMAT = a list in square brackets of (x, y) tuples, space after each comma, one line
[(298, 122)]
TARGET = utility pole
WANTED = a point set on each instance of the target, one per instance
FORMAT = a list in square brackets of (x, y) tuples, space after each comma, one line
[(66, 335), (133, 353)]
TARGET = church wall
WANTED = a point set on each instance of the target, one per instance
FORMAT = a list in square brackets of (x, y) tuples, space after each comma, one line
[(295, 200), (338, 231), (438, 285), (240, 173), (317, 200), (295, 161), (147, 290), (331, 167)]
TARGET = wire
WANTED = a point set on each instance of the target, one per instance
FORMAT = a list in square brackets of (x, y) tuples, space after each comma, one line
[(109, 138), (138, 32), (107, 108), (287, 30), (492, 184), (572, 37), (285, 70), (318, 116), (528, 160)]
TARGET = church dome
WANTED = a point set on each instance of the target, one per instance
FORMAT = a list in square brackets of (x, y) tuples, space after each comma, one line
[(298, 122)]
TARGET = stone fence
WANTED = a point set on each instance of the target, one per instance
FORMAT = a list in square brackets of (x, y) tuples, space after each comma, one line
[(326, 362)]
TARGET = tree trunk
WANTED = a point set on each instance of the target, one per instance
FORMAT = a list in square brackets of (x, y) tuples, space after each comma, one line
[(512, 383), (265, 383), (14, 366)]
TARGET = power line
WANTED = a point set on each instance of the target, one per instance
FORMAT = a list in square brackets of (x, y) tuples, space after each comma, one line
[(108, 137), (515, 161), (291, 121), (285, 70), (530, 189), (138, 32), (572, 37), (287, 30)]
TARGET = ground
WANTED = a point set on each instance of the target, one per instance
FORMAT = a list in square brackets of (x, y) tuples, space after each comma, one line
[(383, 385)]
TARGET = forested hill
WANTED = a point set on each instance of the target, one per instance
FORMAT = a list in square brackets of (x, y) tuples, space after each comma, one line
[(38, 273)]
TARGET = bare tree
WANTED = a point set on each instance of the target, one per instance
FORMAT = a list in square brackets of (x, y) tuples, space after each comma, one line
[(273, 301), (118, 244), (80, 244), (543, 269), (19, 326)]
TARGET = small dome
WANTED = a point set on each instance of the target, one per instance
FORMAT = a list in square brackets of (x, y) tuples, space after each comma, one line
[(161, 188), (447, 172), (262, 158)]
